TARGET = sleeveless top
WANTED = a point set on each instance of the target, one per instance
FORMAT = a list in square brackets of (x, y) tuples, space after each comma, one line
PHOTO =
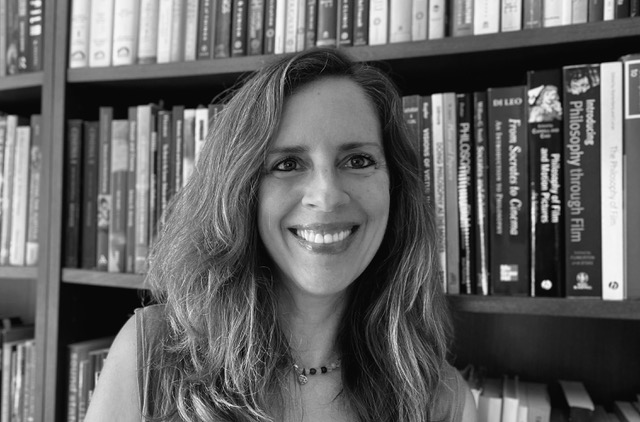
[(151, 326)]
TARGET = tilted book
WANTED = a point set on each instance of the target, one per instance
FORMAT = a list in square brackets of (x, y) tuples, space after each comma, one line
[(438, 154), (452, 221)]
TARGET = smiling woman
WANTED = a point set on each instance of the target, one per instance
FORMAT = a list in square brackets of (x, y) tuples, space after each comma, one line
[(296, 276)]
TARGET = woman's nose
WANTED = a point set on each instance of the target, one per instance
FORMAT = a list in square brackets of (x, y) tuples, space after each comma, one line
[(324, 191)]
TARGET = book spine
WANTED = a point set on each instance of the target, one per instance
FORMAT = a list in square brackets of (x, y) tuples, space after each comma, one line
[(148, 32), (486, 17), (419, 13), (178, 16), (154, 176), (165, 139), (462, 13), (12, 37), (622, 9), (165, 31), (345, 23), (205, 29), (596, 11), (222, 30), (72, 382), (378, 22), (556, 13), (191, 30), (4, 36), (125, 32), (631, 130), (583, 237), (532, 14), (481, 194), (545, 173), (280, 25), (101, 33), (311, 19), (23, 37), (327, 23), (509, 191), (255, 32), (90, 173), (239, 28), (145, 124), (118, 216), (451, 193), (3, 145), (177, 146), (465, 192), (579, 11), (400, 21), (7, 189), (104, 204), (20, 204), (189, 150), (411, 115), (437, 123), (270, 27), (202, 128), (35, 175), (290, 26), (612, 143), (301, 25), (511, 19), (426, 146), (437, 16), (73, 173), (361, 22), (609, 12), (131, 190), (35, 35)]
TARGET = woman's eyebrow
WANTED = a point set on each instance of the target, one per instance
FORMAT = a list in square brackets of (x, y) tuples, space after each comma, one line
[(355, 145), (296, 149)]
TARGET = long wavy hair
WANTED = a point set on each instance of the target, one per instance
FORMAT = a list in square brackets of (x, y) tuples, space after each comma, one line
[(225, 356)]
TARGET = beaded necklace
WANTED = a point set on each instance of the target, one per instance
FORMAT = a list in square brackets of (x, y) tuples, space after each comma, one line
[(302, 372)]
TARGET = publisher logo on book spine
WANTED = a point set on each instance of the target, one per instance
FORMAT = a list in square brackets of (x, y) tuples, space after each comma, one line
[(582, 280)]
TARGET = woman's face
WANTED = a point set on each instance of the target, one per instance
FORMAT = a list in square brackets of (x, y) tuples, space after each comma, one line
[(323, 200)]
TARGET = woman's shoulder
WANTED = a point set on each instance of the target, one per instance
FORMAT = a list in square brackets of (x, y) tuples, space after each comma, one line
[(451, 396)]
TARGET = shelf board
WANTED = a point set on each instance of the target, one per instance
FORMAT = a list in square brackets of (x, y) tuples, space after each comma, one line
[(478, 44), (21, 81), (555, 307), (18, 273), (101, 278)]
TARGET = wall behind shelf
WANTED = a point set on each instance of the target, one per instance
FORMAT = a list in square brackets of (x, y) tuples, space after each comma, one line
[(18, 297)]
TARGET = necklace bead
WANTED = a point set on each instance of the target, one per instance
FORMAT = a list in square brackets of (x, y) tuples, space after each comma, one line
[(302, 372)]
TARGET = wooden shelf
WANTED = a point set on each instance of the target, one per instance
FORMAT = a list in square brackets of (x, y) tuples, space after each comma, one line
[(555, 307), (105, 279), (18, 273), (21, 81)]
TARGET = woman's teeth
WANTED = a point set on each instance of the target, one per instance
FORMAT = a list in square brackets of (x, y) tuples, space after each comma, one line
[(323, 238)]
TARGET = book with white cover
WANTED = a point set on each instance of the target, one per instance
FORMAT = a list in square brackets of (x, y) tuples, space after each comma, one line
[(7, 188), (438, 154), (125, 31), (101, 35), (176, 50), (510, 401), (148, 31), (490, 402), (486, 17), (556, 12), (378, 22), (165, 31), (539, 402), (281, 17), (437, 16), (420, 14), (79, 31), (511, 19), (400, 17), (19, 205)]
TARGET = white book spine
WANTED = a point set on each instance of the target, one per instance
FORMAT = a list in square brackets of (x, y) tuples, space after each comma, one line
[(281, 18), (165, 31), (579, 11), (486, 17), (613, 230), (79, 33), (191, 30), (101, 33), (202, 128), (609, 10), (301, 25), (291, 26), (378, 22), (148, 31), (556, 13), (419, 20), (511, 19), (143, 174), (188, 161), (438, 154), (176, 51), (125, 31), (400, 18), (437, 13), (19, 205), (7, 190)]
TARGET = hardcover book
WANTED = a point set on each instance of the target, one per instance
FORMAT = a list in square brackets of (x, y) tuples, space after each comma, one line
[(130, 250), (545, 129), (101, 33), (270, 27), (532, 14), (176, 46), (583, 217), (327, 34), (439, 205), (481, 192), (222, 29), (345, 23), (90, 171), (255, 27), (104, 204), (291, 26), (165, 31), (19, 205), (361, 22), (310, 25), (437, 19), (7, 188), (35, 24), (35, 176), (79, 33), (239, 28), (148, 32), (206, 16), (452, 220), (486, 17), (191, 30), (378, 22), (508, 191), (462, 18), (119, 188), (125, 32), (426, 147), (400, 18), (73, 172)]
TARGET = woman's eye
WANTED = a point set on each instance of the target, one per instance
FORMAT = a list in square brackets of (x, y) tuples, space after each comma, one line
[(359, 162), (288, 164)]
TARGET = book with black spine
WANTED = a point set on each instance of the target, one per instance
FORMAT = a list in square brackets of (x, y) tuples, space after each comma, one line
[(311, 21), (72, 193), (176, 152), (426, 147), (204, 40), (361, 22), (345, 23), (90, 171), (240, 13), (327, 34), (222, 30), (36, 24), (255, 27)]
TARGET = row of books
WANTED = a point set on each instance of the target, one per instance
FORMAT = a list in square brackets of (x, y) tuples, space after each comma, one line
[(531, 185), (20, 171), (510, 399), (125, 32), (121, 173), (17, 371), (21, 41), (86, 360)]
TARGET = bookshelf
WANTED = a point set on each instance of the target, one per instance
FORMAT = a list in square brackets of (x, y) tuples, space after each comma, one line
[(539, 339)]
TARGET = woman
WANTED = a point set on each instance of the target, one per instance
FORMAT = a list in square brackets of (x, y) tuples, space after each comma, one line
[(296, 270)]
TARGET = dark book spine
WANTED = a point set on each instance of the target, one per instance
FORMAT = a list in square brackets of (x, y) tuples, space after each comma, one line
[(622, 9), (222, 30), (462, 15), (23, 37), (154, 184), (327, 23), (361, 22), (545, 176), (426, 147), (532, 14), (131, 191), (452, 220), (634, 8), (104, 189), (35, 35), (345, 23), (270, 26), (411, 115), (509, 191), (175, 170), (583, 237), (165, 139), (239, 28), (255, 27), (35, 178), (90, 194), (12, 37), (465, 193), (596, 11), (310, 23), (73, 175), (205, 30), (481, 193), (118, 216)]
